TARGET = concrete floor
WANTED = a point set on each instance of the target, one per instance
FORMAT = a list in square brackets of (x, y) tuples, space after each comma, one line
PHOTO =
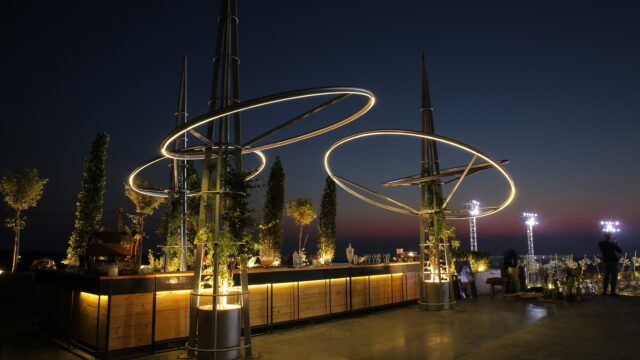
[(484, 328)]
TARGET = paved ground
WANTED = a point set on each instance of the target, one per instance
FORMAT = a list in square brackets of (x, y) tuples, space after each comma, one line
[(484, 328)]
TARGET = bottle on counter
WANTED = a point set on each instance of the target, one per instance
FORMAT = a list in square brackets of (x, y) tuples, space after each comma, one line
[(296, 259), (350, 252)]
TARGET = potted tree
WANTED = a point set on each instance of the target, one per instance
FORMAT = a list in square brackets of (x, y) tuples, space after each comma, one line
[(270, 233), (302, 211), (21, 190)]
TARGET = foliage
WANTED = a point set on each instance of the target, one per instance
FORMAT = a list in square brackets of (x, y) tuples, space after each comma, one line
[(442, 232), (237, 216), (479, 261), (327, 222), (302, 211), (43, 264), (271, 228), (21, 190), (169, 228), (157, 263), (235, 238), (90, 199), (145, 204)]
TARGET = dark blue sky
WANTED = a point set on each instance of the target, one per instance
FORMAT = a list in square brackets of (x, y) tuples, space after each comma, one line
[(552, 86)]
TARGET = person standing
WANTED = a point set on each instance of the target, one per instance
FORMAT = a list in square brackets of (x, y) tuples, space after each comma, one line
[(609, 248)]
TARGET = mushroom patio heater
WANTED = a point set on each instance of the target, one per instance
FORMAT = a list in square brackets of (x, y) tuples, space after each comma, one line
[(473, 206)]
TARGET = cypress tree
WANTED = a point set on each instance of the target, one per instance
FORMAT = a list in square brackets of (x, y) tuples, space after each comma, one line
[(327, 221), (90, 200), (271, 232)]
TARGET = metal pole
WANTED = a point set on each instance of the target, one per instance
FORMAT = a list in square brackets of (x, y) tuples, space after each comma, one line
[(530, 239), (473, 234), (180, 167)]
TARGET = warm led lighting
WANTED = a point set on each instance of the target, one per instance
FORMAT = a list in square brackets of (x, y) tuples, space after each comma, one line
[(402, 208), (610, 226), (1, 271), (165, 192), (264, 101), (220, 307), (530, 219), (247, 105)]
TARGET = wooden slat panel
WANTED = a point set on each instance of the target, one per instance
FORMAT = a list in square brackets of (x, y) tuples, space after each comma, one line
[(312, 297), (397, 288), (258, 304), (131, 320), (283, 305), (359, 289), (172, 314), (412, 286), (85, 314), (339, 295), (380, 291)]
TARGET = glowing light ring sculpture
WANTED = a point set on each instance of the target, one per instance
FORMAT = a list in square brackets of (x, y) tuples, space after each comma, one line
[(406, 209), (264, 101), (165, 192)]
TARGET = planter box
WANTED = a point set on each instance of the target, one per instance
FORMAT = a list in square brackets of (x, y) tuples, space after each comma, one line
[(480, 280)]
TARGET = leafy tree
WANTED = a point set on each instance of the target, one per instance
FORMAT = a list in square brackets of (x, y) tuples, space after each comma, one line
[(90, 200), (145, 204), (235, 234), (21, 190), (271, 228), (327, 222), (237, 216), (169, 227), (302, 211)]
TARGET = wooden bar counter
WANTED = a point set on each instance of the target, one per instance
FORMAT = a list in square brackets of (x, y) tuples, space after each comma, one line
[(101, 314)]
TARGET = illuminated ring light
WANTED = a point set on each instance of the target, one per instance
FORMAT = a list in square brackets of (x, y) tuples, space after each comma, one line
[(264, 101), (402, 208), (165, 192)]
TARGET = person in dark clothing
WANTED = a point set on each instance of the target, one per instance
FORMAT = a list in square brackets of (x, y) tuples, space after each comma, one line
[(609, 248)]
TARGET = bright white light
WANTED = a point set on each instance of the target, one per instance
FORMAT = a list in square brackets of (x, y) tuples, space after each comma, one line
[(473, 206), (610, 227), (530, 219)]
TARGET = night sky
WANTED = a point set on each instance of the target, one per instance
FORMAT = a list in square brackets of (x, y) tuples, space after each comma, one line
[(551, 86)]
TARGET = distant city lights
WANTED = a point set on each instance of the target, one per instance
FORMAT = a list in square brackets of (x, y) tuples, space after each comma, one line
[(610, 227)]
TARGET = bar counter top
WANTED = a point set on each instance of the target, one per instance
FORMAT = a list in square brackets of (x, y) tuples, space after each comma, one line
[(160, 281)]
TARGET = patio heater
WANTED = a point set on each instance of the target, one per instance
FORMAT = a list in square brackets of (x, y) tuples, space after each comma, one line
[(473, 206)]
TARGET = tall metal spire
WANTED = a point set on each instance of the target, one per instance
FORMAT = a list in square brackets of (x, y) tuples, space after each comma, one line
[(432, 218), (180, 166), (429, 149), (224, 145)]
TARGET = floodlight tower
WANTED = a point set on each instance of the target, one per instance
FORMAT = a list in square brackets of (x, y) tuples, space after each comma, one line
[(473, 206), (610, 226), (530, 220)]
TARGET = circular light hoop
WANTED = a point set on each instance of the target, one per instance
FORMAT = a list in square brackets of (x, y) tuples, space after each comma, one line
[(264, 101), (165, 193), (437, 138)]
